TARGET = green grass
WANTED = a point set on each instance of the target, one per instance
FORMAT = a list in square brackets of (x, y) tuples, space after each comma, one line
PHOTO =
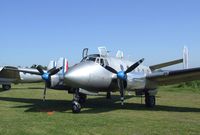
[(22, 112)]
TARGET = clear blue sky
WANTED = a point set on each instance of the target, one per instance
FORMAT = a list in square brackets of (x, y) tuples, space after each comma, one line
[(36, 31)]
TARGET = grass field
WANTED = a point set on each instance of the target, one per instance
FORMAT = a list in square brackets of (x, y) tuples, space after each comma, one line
[(22, 112)]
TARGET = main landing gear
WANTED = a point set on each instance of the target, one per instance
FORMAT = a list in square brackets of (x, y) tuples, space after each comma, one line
[(78, 99), (150, 100), (6, 86)]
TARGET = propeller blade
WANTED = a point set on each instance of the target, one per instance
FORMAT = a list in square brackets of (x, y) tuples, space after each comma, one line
[(121, 87), (131, 68), (51, 69), (45, 90), (40, 69), (111, 69), (54, 71)]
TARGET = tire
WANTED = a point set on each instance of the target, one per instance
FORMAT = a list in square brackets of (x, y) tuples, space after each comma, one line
[(76, 107), (6, 86), (150, 101)]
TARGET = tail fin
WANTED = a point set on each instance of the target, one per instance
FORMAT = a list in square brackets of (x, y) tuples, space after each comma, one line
[(185, 57), (51, 65), (62, 62)]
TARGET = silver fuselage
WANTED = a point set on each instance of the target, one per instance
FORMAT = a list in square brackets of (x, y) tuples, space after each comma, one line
[(91, 75)]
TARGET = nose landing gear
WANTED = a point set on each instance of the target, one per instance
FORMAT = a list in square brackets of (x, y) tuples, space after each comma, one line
[(78, 99), (76, 107)]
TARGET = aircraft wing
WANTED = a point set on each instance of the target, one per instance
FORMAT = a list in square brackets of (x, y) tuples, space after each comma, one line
[(1, 68), (173, 77), (24, 70)]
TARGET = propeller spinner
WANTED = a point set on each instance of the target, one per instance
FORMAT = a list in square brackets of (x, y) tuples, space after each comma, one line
[(122, 77)]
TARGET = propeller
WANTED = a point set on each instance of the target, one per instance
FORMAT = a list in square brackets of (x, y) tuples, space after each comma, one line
[(46, 76), (122, 77)]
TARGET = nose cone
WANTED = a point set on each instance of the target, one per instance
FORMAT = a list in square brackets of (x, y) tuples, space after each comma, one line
[(78, 75)]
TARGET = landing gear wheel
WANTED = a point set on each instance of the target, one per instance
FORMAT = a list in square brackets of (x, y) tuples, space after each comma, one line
[(78, 98), (6, 86), (150, 101), (76, 107)]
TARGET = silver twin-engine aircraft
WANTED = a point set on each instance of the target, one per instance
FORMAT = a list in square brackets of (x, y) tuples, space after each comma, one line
[(103, 73)]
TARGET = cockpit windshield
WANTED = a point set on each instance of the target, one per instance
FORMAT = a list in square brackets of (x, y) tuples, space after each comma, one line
[(97, 59), (90, 58)]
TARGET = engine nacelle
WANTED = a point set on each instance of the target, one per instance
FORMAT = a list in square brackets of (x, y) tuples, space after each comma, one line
[(57, 79), (136, 81)]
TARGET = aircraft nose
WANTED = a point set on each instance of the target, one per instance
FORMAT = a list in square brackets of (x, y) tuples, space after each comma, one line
[(77, 76)]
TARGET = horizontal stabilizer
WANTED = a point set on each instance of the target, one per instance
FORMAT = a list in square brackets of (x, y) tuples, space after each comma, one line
[(166, 64)]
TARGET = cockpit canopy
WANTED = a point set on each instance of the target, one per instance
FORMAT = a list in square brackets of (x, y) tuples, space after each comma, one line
[(97, 59)]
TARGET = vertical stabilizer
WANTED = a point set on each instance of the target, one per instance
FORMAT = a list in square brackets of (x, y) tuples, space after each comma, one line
[(62, 62), (185, 57), (51, 65)]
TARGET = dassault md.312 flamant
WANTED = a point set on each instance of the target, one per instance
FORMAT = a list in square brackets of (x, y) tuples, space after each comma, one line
[(103, 73)]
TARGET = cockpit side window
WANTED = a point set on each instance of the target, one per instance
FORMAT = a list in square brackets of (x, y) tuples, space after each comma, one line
[(101, 61), (97, 60), (106, 62)]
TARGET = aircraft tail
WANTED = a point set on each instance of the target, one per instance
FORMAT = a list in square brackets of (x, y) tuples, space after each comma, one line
[(62, 62), (184, 60), (185, 57), (51, 65)]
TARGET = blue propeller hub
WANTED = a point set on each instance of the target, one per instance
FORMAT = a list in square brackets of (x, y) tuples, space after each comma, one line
[(121, 75), (45, 76)]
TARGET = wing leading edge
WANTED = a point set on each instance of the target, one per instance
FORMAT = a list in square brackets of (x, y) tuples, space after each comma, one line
[(24, 70)]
